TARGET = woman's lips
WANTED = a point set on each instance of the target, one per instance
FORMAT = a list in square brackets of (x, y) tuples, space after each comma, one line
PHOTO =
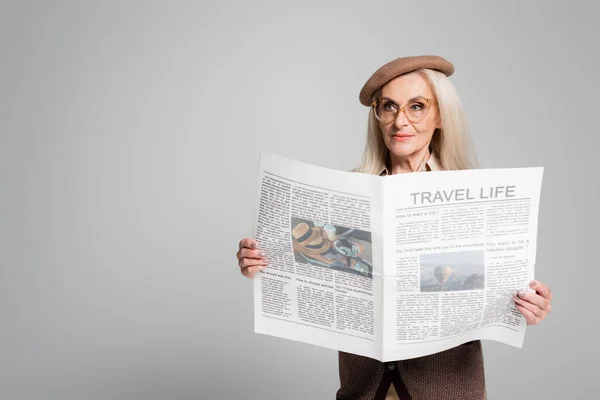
[(402, 137)]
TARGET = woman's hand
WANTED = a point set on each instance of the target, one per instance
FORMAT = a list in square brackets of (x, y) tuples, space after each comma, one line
[(250, 259), (534, 306)]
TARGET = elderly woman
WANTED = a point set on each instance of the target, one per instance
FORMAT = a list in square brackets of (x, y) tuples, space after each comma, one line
[(416, 123)]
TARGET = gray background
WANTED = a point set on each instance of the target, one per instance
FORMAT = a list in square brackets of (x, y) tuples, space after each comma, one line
[(129, 142)]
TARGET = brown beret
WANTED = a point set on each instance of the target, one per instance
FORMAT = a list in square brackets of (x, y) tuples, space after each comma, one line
[(398, 67)]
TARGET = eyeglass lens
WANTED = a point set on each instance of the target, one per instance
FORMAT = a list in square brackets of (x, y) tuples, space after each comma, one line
[(416, 110)]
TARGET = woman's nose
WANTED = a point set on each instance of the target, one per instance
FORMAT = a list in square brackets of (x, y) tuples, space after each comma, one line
[(401, 120)]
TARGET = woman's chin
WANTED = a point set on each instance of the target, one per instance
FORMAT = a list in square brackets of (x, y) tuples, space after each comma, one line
[(402, 149)]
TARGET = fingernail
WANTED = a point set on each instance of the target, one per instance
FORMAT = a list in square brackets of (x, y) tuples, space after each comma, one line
[(261, 253), (533, 283), (253, 245), (521, 294), (266, 260)]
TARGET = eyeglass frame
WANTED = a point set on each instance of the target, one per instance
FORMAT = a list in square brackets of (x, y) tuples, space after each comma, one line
[(401, 109)]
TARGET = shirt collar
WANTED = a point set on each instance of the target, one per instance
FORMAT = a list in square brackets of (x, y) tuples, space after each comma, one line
[(432, 164)]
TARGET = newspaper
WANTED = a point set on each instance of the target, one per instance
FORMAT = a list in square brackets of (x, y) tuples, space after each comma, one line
[(393, 267)]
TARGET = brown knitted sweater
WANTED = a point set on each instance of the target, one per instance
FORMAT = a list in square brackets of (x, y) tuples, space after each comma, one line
[(454, 374)]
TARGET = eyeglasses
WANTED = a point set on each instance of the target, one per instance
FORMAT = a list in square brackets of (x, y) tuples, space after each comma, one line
[(416, 110)]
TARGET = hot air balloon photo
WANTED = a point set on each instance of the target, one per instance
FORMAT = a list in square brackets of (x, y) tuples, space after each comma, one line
[(452, 271), (442, 273)]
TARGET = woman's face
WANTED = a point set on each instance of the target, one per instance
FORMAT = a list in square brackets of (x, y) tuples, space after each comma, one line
[(403, 137)]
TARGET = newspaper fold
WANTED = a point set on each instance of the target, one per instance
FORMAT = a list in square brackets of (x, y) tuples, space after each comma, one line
[(393, 267)]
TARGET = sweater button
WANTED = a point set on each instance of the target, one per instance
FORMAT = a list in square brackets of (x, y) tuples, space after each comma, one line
[(392, 366)]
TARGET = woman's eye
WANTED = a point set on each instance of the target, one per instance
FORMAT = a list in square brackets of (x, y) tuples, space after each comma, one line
[(389, 106), (416, 106)]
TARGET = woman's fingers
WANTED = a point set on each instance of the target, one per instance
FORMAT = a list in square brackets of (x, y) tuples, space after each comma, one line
[(251, 262), (542, 289), (250, 259), (250, 253), (534, 306), (248, 243), (533, 298), (531, 307), (250, 271), (530, 317)]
